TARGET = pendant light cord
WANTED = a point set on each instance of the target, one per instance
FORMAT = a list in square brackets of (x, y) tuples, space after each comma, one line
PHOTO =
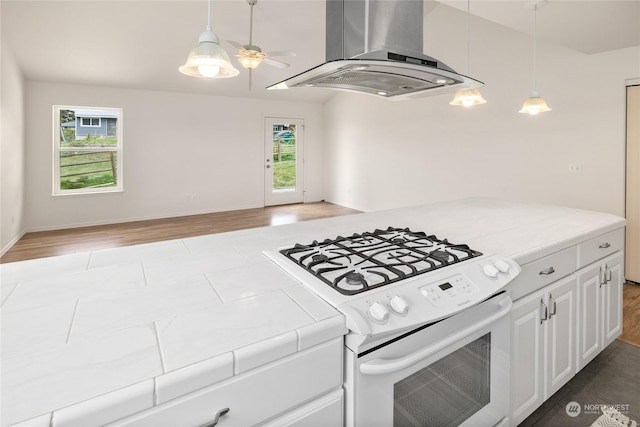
[(209, 18)]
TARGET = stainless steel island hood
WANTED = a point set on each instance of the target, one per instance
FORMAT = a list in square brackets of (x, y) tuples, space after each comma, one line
[(375, 47)]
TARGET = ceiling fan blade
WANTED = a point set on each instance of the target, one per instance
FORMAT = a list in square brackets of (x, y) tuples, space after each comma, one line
[(275, 63), (281, 53), (235, 44)]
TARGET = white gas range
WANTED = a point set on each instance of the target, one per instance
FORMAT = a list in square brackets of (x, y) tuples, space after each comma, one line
[(426, 318)]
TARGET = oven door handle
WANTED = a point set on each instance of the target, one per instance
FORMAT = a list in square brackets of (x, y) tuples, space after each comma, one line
[(387, 366)]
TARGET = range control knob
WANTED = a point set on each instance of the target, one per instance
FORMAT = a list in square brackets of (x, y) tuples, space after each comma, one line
[(490, 270), (399, 305), (378, 313), (502, 266)]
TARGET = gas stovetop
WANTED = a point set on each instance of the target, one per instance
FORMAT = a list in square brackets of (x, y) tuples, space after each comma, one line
[(390, 280), (368, 260)]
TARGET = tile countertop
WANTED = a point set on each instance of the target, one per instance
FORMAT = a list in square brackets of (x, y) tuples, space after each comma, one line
[(147, 323)]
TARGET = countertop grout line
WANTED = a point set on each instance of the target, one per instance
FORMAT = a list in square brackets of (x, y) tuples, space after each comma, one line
[(157, 334), (73, 319), (10, 293)]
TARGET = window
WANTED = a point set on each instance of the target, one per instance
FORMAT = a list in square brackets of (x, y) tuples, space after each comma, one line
[(93, 122), (87, 150)]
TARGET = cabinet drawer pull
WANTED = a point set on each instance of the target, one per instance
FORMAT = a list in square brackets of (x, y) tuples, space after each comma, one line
[(221, 413), (547, 272), (605, 245), (552, 312), (545, 311)]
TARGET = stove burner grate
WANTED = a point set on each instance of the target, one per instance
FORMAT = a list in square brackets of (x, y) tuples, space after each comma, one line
[(369, 260)]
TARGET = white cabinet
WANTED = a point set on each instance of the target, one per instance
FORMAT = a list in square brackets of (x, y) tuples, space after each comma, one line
[(600, 295), (543, 330)]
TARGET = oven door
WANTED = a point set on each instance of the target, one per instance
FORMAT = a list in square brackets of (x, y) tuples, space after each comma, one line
[(454, 372)]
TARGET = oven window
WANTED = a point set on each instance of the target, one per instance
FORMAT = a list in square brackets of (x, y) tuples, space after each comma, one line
[(448, 391)]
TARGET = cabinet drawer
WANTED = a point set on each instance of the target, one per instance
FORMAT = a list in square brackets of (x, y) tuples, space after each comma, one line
[(258, 395), (540, 273), (600, 246)]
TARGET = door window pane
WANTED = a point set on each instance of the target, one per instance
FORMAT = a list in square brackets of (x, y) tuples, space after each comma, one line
[(284, 157), (447, 392)]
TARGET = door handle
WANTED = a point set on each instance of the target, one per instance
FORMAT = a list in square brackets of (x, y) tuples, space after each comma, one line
[(603, 276), (386, 366), (545, 311)]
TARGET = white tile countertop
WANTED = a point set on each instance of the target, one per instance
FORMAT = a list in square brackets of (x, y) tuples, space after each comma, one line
[(147, 323)]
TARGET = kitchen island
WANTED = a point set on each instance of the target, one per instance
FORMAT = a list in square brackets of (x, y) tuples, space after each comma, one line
[(114, 336)]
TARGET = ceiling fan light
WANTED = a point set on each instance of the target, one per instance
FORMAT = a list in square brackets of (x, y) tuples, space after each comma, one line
[(208, 59), (468, 98), (534, 105), (250, 62)]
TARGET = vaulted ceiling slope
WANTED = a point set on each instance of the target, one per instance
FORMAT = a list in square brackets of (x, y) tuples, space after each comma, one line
[(140, 44)]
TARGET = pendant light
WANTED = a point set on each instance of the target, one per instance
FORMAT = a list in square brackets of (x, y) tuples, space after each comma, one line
[(534, 104), (208, 60), (468, 97)]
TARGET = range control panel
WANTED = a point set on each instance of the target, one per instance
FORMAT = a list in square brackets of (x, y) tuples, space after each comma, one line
[(455, 291), (430, 297)]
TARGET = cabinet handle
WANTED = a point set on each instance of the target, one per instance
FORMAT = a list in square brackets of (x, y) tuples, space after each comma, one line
[(603, 276), (547, 272), (553, 306), (545, 311), (221, 413), (605, 245), (607, 274)]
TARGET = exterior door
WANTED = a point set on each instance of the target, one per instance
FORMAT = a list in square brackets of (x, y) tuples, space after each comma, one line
[(632, 249), (283, 167)]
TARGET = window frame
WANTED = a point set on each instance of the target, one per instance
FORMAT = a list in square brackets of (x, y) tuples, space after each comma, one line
[(57, 150), (91, 119)]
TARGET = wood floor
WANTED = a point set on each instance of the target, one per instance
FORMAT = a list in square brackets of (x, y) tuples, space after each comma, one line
[(631, 315), (60, 242)]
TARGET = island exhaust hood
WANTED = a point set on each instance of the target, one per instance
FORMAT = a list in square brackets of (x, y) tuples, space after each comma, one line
[(375, 47)]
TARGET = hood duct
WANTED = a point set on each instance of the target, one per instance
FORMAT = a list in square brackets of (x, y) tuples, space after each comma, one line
[(375, 47)]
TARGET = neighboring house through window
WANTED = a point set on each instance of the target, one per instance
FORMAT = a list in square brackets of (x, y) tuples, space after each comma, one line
[(87, 145)]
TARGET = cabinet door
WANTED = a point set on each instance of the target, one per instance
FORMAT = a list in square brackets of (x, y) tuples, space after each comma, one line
[(526, 356), (589, 314), (612, 299), (560, 331)]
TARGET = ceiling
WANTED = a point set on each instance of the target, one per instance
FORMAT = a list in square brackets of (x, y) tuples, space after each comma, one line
[(140, 44)]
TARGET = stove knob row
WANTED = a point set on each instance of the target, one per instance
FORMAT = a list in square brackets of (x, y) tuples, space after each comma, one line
[(498, 266), (379, 312)]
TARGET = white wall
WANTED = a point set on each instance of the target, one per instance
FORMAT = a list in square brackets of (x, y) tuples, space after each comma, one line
[(428, 150), (12, 149), (175, 145)]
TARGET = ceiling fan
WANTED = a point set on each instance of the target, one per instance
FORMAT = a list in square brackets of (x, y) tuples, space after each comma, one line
[(250, 55)]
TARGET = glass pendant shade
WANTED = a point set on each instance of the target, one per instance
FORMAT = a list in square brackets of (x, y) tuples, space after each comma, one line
[(534, 105), (208, 60), (468, 98)]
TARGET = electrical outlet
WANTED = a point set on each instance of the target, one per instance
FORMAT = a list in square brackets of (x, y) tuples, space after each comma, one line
[(575, 168)]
